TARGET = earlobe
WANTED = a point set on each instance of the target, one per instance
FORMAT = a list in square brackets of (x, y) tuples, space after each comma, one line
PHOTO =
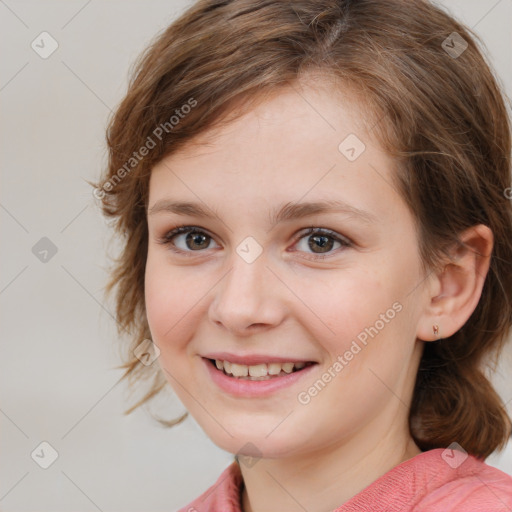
[(459, 284)]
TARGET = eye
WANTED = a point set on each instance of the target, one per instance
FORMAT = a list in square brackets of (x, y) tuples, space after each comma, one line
[(323, 240), (186, 239), (194, 239)]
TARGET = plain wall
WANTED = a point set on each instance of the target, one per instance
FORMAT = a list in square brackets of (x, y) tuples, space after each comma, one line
[(59, 344)]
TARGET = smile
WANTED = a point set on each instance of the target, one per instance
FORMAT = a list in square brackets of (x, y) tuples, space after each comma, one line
[(263, 371), (256, 380)]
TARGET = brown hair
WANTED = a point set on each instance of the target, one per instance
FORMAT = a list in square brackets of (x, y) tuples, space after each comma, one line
[(439, 114)]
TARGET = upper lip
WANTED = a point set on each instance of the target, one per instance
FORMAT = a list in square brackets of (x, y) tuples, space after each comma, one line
[(253, 359)]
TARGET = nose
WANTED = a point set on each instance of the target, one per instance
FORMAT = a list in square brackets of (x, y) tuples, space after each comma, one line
[(248, 298)]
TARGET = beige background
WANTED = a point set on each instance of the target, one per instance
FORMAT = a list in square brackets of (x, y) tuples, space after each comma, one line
[(57, 372)]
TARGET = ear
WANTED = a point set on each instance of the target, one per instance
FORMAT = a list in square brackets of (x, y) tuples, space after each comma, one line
[(455, 291)]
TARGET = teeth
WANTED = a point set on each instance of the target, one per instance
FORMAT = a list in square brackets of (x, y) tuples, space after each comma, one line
[(239, 370), (256, 371), (274, 368), (288, 367)]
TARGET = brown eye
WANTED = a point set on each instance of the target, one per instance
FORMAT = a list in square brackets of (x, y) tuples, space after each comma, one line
[(186, 239), (321, 241), (195, 240)]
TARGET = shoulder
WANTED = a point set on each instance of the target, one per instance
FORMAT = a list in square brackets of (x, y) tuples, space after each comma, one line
[(223, 495), (437, 481), (462, 483)]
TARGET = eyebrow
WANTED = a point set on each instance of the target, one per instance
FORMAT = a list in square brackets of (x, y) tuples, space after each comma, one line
[(286, 212)]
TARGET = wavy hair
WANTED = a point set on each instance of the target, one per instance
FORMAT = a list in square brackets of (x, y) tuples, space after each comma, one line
[(433, 103)]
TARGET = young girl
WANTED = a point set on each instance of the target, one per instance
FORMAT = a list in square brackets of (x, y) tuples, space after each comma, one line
[(317, 243)]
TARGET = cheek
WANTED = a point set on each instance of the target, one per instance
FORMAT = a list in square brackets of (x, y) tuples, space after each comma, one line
[(361, 314), (169, 303), (340, 305), (375, 326)]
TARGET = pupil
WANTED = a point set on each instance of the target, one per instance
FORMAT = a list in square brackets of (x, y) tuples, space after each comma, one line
[(196, 238), (322, 242)]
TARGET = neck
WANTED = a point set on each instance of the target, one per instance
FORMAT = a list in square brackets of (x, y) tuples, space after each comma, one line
[(324, 480)]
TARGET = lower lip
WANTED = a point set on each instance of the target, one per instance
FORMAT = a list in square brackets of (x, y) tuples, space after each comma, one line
[(254, 388)]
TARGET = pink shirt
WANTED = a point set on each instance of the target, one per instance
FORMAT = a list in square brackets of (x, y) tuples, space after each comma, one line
[(433, 481)]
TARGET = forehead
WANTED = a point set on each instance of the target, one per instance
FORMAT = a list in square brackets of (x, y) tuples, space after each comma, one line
[(317, 104), (306, 140)]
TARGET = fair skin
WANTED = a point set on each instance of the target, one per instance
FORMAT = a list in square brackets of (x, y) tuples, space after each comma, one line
[(285, 303)]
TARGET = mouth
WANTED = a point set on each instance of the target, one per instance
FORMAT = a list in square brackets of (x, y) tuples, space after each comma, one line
[(258, 372)]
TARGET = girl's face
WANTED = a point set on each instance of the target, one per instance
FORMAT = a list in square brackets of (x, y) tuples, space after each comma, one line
[(301, 252)]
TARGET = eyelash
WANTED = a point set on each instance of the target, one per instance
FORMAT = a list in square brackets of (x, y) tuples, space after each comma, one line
[(167, 239)]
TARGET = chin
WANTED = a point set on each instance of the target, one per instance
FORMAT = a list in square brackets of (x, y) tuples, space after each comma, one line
[(255, 444)]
